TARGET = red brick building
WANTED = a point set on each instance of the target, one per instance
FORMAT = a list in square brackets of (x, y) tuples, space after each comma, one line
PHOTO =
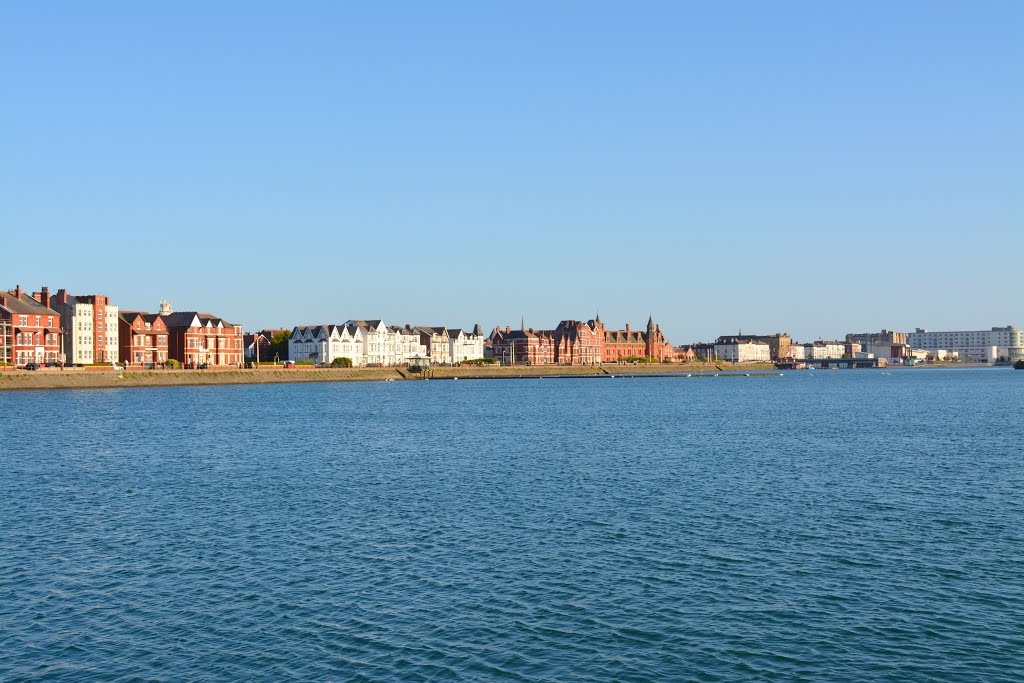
[(619, 344), (522, 346), (579, 343), (143, 338), (203, 339), (574, 342), (29, 329)]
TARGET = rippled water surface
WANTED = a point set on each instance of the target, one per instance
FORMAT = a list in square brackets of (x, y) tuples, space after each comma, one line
[(845, 525)]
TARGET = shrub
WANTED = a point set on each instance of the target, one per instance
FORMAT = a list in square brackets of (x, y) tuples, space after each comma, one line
[(304, 362), (172, 364), (481, 361), (341, 363)]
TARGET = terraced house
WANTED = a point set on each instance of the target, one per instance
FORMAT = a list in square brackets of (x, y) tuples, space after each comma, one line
[(144, 338), (30, 330), (202, 339), (322, 344)]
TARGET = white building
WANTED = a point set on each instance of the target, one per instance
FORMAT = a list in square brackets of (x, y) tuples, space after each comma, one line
[(744, 352), (797, 351), (322, 344), (90, 327), (825, 349), (978, 345), (465, 345)]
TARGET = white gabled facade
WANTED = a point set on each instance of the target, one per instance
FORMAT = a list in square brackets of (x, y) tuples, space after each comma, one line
[(322, 344), (464, 345)]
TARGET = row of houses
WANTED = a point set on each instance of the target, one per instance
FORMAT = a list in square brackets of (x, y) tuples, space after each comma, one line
[(1004, 343), (88, 329), (373, 343)]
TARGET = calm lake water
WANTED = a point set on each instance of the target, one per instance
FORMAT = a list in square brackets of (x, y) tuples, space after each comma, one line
[(844, 525)]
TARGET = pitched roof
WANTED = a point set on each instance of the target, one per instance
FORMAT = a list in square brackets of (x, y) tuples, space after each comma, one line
[(26, 304)]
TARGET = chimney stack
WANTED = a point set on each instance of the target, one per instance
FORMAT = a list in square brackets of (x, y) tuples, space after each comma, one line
[(627, 327), (507, 329), (44, 297), (17, 291)]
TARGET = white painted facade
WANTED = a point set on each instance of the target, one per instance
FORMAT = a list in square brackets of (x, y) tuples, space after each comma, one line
[(744, 352), (979, 345), (825, 349), (465, 345), (324, 343), (84, 333)]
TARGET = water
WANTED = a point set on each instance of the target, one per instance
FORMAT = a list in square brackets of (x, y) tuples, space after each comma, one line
[(845, 525)]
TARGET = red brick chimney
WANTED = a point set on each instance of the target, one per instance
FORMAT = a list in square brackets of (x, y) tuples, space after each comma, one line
[(507, 329), (17, 291), (627, 327), (44, 297)]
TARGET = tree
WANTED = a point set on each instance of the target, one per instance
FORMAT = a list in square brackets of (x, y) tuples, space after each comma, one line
[(341, 362), (278, 346)]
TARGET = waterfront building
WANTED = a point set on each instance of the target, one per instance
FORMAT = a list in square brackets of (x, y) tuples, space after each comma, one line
[(201, 338), (522, 346), (742, 351), (824, 349), (778, 344), (885, 344), (90, 326), (437, 343), (465, 345), (988, 346), (575, 342), (578, 343), (649, 343), (322, 344), (797, 352), (30, 331), (406, 344), (143, 338)]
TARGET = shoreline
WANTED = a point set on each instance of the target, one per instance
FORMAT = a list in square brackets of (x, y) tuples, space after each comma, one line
[(52, 378), (79, 378)]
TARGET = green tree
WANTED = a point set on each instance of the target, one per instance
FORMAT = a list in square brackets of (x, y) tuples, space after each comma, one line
[(278, 346)]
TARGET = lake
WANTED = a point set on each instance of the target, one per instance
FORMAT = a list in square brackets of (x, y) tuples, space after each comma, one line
[(844, 525)]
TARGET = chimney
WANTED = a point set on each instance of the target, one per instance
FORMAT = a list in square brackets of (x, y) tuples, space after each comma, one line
[(17, 291), (507, 329), (627, 327), (44, 297)]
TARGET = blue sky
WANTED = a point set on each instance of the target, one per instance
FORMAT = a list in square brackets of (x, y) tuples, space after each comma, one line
[(811, 167)]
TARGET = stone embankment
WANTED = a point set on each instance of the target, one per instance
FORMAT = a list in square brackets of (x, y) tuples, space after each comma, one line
[(79, 378)]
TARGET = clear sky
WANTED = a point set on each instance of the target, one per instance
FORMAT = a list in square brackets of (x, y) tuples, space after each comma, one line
[(813, 167)]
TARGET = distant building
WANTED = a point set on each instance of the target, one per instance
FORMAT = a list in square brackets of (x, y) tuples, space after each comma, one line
[(30, 331), (741, 351), (778, 344), (91, 327), (649, 343), (885, 344), (824, 349), (988, 346)]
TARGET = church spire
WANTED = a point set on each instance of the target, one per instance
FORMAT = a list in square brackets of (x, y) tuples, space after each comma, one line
[(522, 324)]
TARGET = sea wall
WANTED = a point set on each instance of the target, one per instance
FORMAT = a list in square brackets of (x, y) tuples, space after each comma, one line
[(79, 378)]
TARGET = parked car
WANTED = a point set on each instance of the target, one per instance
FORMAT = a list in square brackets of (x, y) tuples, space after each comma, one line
[(31, 366), (289, 364)]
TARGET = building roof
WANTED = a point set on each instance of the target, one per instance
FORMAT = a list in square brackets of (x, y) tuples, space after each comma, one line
[(24, 304)]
